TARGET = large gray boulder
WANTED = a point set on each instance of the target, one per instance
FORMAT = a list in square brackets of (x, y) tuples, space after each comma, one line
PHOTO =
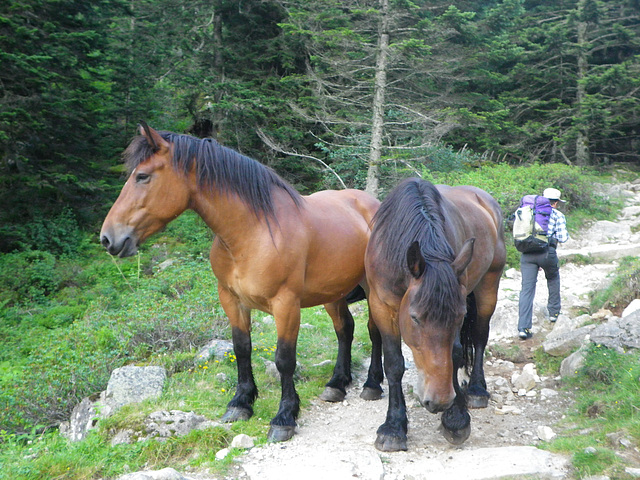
[(165, 424), (619, 333), (126, 385), (134, 385), (568, 335)]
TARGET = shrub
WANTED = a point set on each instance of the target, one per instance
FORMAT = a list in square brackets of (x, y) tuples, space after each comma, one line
[(27, 276), (174, 312)]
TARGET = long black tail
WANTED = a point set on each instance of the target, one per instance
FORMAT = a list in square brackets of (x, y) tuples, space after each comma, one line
[(356, 295), (466, 333)]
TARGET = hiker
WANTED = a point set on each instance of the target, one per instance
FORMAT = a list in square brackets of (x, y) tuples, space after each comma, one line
[(547, 260)]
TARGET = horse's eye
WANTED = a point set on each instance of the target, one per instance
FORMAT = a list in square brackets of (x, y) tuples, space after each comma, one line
[(143, 178)]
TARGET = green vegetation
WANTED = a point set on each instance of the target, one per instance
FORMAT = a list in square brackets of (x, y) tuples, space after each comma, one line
[(162, 322), (607, 399), (292, 83)]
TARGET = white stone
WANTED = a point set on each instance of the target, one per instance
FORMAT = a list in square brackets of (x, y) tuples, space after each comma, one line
[(508, 409), (634, 472), (221, 454), (634, 306), (545, 433), (242, 441)]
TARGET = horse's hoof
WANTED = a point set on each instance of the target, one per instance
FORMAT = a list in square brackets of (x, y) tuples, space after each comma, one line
[(331, 394), (371, 394), (477, 401), (388, 443), (233, 414), (456, 424), (280, 433), (456, 437)]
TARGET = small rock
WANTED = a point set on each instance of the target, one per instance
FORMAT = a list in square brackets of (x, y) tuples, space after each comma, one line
[(634, 472), (632, 307), (508, 409), (123, 436), (545, 433), (221, 454), (164, 474), (323, 363), (242, 441), (526, 380), (271, 369), (216, 349)]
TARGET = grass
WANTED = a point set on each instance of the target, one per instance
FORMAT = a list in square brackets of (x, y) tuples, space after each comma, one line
[(603, 432), (203, 388)]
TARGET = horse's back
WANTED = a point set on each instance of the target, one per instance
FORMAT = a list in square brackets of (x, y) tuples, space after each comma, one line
[(477, 214), (351, 202), (337, 225)]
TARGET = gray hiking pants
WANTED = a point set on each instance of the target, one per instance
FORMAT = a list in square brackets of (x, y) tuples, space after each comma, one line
[(529, 265)]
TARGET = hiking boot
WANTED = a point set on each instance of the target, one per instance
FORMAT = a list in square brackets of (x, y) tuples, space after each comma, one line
[(554, 317), (525, 333)]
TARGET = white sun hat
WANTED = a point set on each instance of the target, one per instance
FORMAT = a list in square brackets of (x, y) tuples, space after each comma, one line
[(552, 194)]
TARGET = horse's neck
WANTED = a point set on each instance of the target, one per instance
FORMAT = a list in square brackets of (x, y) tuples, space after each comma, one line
[(222, 212), (233, 220)]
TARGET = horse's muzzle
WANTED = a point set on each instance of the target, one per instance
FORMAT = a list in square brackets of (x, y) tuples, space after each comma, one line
[(436, 407), (124, 246)]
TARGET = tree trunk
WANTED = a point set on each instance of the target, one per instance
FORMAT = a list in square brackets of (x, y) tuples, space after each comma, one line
[(582, 137), (380, 83), (218, 66)]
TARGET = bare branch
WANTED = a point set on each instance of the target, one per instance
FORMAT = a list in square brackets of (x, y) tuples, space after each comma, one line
[(270, 142)]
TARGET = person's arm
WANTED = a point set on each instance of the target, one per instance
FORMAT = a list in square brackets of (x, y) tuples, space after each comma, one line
[(558, 226)]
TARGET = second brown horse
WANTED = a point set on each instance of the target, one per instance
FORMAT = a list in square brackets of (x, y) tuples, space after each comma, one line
[(433, 265)]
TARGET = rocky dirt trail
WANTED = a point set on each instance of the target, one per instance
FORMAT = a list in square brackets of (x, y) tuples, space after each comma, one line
[(335, 441)]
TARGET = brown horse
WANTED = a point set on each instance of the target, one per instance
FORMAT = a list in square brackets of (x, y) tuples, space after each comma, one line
[(434, 262), (274, 250)]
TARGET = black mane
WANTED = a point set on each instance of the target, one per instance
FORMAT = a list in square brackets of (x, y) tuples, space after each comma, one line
[(412, 212), (218, 167)]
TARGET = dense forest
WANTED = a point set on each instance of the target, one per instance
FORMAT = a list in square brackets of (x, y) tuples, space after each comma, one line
[(329, 93)]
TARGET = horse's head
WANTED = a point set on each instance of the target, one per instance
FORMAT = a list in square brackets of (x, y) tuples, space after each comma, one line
[(430, 317), (154, 194)]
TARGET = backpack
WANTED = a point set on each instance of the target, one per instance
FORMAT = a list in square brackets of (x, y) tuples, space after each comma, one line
[(530, 225)]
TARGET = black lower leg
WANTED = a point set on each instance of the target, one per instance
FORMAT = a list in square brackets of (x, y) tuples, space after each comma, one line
[(456, 421), (392, 434), (284, 423), (342, 371), (241, 405), (372, 389), (289, 401)]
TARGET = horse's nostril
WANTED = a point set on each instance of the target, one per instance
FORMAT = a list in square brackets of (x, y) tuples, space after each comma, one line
[(105, 241)]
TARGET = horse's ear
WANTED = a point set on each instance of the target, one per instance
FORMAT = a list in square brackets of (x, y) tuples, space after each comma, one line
[(155, 140), (415, 260), (464, 257)]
